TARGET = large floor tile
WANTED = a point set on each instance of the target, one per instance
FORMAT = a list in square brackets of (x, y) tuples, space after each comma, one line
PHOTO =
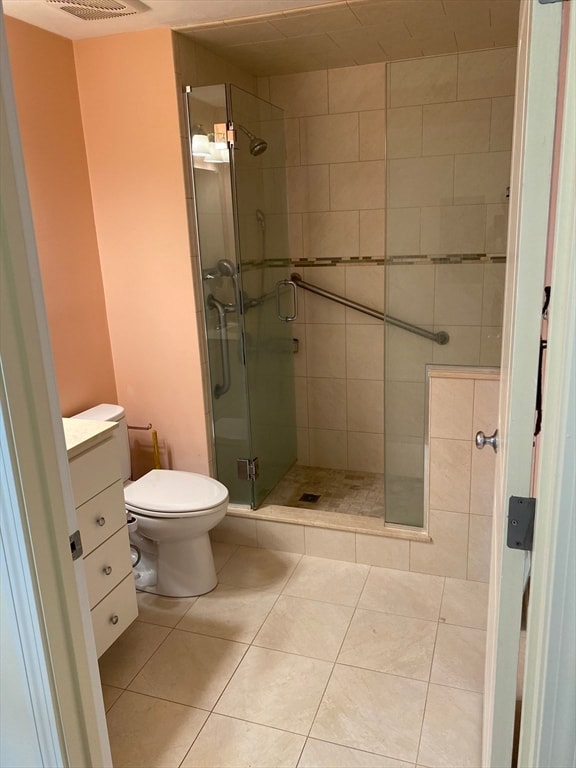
[(258, 568), (230, 613), (372, 711), (110, 695), (165, 611), (322, 754), (222, 552), (331, 581), (459, 657), (403, 593), (384, 642), (190, 669), (452, 731), (305, 627), (465, 603), (276, 689), (229, 743), (126, 657), (148, 733)]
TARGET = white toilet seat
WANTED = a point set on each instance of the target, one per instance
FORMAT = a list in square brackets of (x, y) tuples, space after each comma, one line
[(165, 493)]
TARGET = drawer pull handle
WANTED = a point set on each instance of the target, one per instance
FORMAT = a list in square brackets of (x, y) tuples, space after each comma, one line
[(114, 619), (101, 521), (107, 570)]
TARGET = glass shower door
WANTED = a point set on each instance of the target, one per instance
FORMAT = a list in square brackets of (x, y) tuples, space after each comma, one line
[(237, 145)]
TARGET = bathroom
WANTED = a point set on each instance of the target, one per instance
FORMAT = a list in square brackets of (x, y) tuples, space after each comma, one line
[(143, 224)]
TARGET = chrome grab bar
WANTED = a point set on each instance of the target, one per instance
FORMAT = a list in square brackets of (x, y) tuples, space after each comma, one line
[(294, 315), (440, 337), (222, 328)]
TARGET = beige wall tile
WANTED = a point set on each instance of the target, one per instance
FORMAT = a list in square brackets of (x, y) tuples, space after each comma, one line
[(446, 554), (462, 349), (423, 81), (453, 229), (318, 309), (333, 234), (502, 123), (406, 355), (295, 238), (292, 134), (365, 284), (479, 544), (451, 406), (403, 232), (459, 294), (326, 354), (303, 446), (327, 403), (486, 395), (405, 457), (457, 127), (300, 94), (405, 408), (411, 292), (382, 551), (496, 228), (335, 545), (373, 234), (490, 345), (419, 182), (481, 178), (352, 89), (482, 481), (356, 186), (365, 452), (365, 405), (328, 448), (485, 74), (299, 332), (280, 536), (493, 297), (365, 351), (301, 400), (236, 530), (329, 139), (404, 132), (372, 135), (450, 465), (308, 188)]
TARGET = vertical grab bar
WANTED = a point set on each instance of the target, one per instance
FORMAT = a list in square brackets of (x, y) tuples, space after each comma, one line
[(286, 318), (222, 328)]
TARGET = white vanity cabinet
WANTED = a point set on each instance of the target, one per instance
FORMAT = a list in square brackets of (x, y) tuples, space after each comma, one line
[(99, 499)]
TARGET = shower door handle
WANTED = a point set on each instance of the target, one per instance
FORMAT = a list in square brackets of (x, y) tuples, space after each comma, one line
[(286, 318), (222, 328)]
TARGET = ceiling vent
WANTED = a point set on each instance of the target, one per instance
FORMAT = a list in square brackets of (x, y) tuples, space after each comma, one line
[(98, 10)]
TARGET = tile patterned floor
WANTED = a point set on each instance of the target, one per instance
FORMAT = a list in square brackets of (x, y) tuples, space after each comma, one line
[(295, 661)]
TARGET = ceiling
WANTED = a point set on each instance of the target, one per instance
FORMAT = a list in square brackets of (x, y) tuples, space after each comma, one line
[(267, 37)]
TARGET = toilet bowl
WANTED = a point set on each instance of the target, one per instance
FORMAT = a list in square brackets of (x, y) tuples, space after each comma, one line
[(172, 513)]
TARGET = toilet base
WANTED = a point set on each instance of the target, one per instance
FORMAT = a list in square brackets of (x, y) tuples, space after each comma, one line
[(184, 568)]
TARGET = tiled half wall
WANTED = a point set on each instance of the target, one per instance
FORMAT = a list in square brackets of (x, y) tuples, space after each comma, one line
[(460, 482)]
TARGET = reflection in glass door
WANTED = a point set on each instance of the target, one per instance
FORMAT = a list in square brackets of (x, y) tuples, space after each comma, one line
[(238, 158)]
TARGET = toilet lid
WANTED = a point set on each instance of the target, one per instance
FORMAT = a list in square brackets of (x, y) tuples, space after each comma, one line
[(169, 491)]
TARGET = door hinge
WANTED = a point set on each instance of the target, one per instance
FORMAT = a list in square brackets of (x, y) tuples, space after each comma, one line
[(225, 132), (521, 513), (76, 545), (248, 469)]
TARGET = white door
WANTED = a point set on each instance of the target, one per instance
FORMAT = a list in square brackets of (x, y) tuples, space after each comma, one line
[(536, 96), (52, 712)]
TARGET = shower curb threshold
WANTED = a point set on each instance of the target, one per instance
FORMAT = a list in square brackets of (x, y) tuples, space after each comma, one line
[(321, 519)]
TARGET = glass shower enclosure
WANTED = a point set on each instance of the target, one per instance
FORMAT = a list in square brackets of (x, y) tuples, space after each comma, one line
[(237, 150)]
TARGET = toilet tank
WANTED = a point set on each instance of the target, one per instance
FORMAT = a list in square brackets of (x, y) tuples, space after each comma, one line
[(111, 412)]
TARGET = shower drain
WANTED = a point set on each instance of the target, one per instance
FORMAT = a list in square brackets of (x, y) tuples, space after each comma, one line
[(310, 497)]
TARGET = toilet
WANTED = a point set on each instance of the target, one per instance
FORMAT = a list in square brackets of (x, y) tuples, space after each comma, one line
[(169, 516)]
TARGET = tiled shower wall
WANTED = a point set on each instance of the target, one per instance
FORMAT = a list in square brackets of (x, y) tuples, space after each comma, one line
[(444, 124)]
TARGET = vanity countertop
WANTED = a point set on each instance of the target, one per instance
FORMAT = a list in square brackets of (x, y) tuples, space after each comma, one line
[(81, 434)]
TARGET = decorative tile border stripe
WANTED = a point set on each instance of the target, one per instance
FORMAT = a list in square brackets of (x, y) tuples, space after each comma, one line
[(336, 261)]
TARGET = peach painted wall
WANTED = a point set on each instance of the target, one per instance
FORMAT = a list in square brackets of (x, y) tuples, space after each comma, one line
[(129, 106), (57, 174)]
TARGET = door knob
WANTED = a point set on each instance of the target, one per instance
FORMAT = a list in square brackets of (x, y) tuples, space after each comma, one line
[(482, 440)]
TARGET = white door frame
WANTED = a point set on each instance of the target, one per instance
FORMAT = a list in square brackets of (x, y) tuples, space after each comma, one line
[(535, 114), (43, 592)]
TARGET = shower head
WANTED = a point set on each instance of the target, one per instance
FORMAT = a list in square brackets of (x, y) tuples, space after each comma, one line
[(257, 145)]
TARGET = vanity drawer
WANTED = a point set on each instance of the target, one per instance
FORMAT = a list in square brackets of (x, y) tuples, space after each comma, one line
[(107, 565), (114, 614), (101, 516), (94, 470)]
